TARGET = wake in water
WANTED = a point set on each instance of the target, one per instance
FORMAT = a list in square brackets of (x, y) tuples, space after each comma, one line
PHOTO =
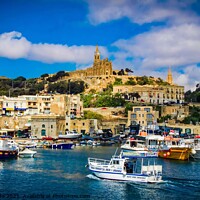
[(91, 176)]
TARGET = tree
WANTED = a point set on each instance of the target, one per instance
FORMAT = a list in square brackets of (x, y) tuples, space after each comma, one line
[(121, 72), (130, 81), (128, 107), (118, 81), (44, 75), (128, 70)]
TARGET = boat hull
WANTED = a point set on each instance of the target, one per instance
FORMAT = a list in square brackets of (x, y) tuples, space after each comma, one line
[(69, 136), (27, 155), (197, 154), (8, 154), (127, 177), (62, 146), (175, 153)]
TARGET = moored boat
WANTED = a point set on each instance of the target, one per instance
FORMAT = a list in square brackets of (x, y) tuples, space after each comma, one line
[(7, 150), (127, 168), (176, 153), (175, 148), (62, 145), (27, 153), (134, 145), (70, 135)]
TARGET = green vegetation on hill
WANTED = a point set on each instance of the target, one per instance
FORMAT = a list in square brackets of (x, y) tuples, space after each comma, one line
[(193, 96), (194, 116), (92, 115), (20, 86), (102, 99), (33, 86), (64, 87)]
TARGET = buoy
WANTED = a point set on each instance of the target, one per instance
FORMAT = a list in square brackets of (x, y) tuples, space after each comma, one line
[(168, 153)]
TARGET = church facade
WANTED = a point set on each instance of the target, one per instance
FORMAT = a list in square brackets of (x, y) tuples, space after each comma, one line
[(99, 68)]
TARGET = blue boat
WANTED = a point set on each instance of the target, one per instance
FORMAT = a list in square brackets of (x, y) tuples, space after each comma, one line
[(62, 146)]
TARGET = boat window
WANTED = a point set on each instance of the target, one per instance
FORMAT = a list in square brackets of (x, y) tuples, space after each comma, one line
[(116, 162), (173, 143)]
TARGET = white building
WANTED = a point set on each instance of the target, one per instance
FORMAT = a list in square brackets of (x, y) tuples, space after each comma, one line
[(14, 106)]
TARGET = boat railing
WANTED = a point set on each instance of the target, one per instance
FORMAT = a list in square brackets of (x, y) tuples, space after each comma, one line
[(137, 154), (97, 161)]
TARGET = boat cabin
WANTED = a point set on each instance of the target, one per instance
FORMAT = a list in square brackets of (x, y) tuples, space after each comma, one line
[(135, 143)]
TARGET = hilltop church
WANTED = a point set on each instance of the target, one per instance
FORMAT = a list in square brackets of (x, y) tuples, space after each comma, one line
[(99, 68)]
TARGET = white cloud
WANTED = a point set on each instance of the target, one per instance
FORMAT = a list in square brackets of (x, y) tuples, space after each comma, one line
[(14, 46), (190, 78), (160, 48), (140, 12), (173, 46)]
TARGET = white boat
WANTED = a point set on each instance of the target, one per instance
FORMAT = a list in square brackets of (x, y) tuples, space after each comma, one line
[(196, 148), (28, 144), (134, 145), (8, 149), (124, 168), (70, 135), (92, 143), (27, 153)]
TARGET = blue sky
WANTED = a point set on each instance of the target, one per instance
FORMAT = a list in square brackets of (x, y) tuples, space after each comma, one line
[(148, 36)]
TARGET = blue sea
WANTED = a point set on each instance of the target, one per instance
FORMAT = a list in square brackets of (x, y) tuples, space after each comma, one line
[(61, 174)]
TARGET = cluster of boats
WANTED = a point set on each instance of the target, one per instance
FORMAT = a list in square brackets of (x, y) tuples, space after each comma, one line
[(9, 149), (166, 147), (134, 163)]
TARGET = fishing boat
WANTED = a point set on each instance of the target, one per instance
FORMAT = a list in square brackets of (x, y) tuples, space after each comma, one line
[(7, 149), (70, 135), (127, 168), (175, 148), (27, 153), (134, 145)]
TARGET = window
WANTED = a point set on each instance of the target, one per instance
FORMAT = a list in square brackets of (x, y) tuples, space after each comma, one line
[(83, 124), (116, 162), (136, 109), (43, 125), (149, 116), (147, 109), (51, 126), (133, 116)]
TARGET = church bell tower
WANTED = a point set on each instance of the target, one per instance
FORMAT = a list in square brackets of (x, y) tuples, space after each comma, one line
[(169, 76), (97, 55)]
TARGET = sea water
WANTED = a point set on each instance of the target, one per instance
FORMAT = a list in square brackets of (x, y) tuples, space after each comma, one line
[(61, 174)]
